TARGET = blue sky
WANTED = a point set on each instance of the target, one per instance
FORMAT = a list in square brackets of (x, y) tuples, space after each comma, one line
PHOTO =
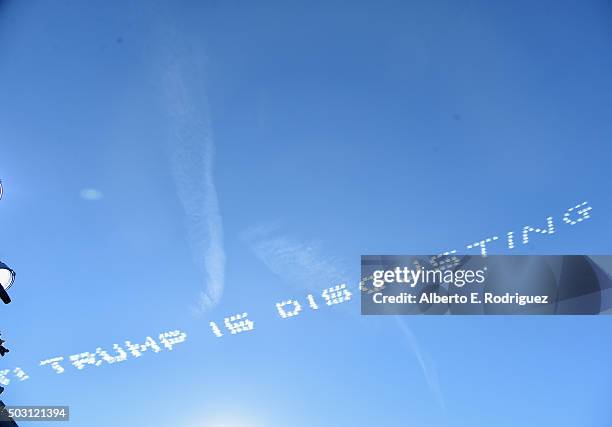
[(251, 152)]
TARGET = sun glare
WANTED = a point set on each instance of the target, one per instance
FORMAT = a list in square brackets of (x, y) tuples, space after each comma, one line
[(230, 421)]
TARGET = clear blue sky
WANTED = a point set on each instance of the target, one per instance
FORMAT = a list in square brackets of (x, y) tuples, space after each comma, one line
[(253, 151)]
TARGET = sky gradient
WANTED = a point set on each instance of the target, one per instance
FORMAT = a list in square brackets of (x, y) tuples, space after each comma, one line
[(170, 164)]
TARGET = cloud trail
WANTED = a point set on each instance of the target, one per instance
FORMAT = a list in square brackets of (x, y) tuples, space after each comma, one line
[(429, 370), (191, 146)]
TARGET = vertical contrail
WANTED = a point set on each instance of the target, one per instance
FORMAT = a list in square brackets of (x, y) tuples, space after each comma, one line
[(429, 371), (191, 147)]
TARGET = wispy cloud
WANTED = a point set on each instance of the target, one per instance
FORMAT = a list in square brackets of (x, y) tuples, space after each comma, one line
[(429, 370), (192, 149), (91, 194), (298, 262)]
